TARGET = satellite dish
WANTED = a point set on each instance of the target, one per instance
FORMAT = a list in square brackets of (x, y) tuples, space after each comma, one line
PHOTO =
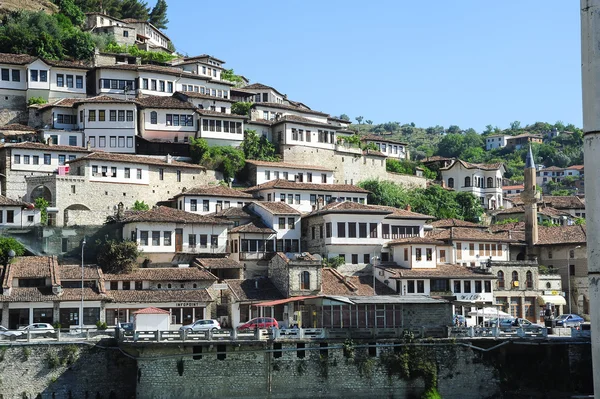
[(206, 104)]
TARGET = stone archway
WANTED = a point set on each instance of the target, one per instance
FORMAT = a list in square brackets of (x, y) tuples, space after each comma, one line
[(43, 192), (74, 207), (521, 256)]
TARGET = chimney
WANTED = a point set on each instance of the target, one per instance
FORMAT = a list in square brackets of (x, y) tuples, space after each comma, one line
[(319, 203), (408, 208), (443, 184), (49, 141), (120, 211), (169, 158), (88, 146), (218, 208)]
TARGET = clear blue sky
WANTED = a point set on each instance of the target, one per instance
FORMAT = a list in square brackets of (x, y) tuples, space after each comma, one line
[(440, 62)]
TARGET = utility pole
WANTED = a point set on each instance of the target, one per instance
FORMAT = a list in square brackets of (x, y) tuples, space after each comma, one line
[(590, 70)]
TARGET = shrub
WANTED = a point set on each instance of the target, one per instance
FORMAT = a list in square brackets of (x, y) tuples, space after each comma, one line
[(36, 100), (101, 325), (52, 359)]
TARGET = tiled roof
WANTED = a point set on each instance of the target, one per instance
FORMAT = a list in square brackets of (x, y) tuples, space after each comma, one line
[(16, 59), (73, 272), (516, 226), (164, 102), (5, 201), (136, 159), (543, 210), (277, 208), (45, 147), (336, 119), (63, 103), (253, 227), (416, 240), (254, 290), (17, 127), (445, 223), (32, 266), (442, 270), (334, 283), (233, 212), (260, 86), (289, 107), (466, 234), (154, 296), (576, 167), (195, 94), (374, 153), (220, 114), (398, 213), (468, 165), (559, 235), (163, 214), (436, 158), (350, 207), (152, 310), (288, 165), (103, 99), (525, 135), (301, 120), (67, 64), (215, 191), (196, 57), (45, 294), (292, 185), (159, 69), (376, 137), (558, 202), (520, 186), (219, 263), (162, 274), (551, 168)]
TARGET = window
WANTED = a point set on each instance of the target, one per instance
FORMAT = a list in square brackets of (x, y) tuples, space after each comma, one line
[(16, 75), (500, 279), (153, 84), (145, 84), (328, 230), (129, 116), (420, 286), (33, 75), (572, 253), (442, 255), (153, 118), (126, 285), (451, 182), (214, 241), (362, 230), (166, 238), (351, 229), (178, 175), (60, 80), (429, 254), (121, 116), (193, 205), (529, 279), (471, 249), (10, 216), (127, 173), (139, 174), (203, 240), (305, 280), (406, 254), (61, 159), (467, 286), (457, 286), (290, 198), (418, 255), (17, 159), (161, 85), (205, 205), (36, 160), (355, 259), (70, 81), (192, 240), (515, 276), (144, 238), (291, 224), (324, 178), (155, 238), (5, 74), (478, 288), (313, 232), (341, 229), (313, 199), (92, 116), (549, 254), (321, 231), (47, 159), (487, 286), (373, 230), (113, 115), (170, 87), (410, 286), (282, 223), (297, 199)]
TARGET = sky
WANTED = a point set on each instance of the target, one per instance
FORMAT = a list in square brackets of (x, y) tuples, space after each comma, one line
[(469, 63)]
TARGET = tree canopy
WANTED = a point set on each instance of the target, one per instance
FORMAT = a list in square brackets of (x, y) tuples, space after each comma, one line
[(158, 15), (226, 159), (8, 243), (117, 257), (258, 148)]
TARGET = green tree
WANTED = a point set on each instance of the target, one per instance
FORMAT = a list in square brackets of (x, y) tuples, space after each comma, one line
[(42, 205), (453, 129), (6, 244), (135, 9), (70, 10), (140, 206), (158, 15), (359, 119), (516, 125), (229, 74), (451, 145), (580, 221), (226, 159), (470, 207), (259, 148), (345, 117), (117, 257), (473, 154), (369, 122), (241, 108)]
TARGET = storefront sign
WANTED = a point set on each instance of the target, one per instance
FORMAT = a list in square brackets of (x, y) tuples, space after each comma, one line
[(188, 304), (470, 297)]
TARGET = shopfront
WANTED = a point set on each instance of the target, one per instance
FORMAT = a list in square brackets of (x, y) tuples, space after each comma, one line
[(182, 313)]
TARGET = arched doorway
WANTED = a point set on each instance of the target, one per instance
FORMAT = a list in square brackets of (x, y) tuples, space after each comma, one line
[(45, 193), (74, 207)]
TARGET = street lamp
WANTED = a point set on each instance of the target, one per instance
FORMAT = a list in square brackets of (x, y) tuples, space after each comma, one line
[(81, 311), (373, 259), (569, 274)]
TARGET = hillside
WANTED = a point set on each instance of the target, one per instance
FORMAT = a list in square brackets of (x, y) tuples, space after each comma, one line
[(47, 6)]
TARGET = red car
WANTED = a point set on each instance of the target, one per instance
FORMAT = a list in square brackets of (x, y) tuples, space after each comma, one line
[(259, 322)]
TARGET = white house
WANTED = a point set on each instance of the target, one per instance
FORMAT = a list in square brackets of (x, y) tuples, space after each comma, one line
[(284, 220), (148, 36), (496, 141), (389, 147), (304, 196), (260, 172), (266, 94), (204, 65), (203, 200), (484, 181), (166, 119), (98, 23), (204, 98), (17, 214), (219, 128), (163, 230)]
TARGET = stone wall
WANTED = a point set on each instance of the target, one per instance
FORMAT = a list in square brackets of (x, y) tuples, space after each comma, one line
[(8, 116), (349, 167), (82, 372), (86, 218)]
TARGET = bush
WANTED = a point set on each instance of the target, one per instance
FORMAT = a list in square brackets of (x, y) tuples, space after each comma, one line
[(101, 325), (117, 256), (57, 325), (52, 359), (36, 100)]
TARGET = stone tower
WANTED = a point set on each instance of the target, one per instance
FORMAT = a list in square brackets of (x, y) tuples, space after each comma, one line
[(530, 196)]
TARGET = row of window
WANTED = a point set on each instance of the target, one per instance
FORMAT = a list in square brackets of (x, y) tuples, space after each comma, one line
[(117, 84), (366, 258), (61, 81), (35, 75), (6, 75), (290, 223), (114, 142), (298, 134), (484, 250), (212, 125), (38, 75), (66, 119), (393, 149), (209, 71), (298, 176), (288, 245), (113, 172), (478, 182), (173, 119), (205, 205), (113, 115), (10, 216), (35, 159), (366, 230), (155, 236), (138, 286), (157, 85), (515, 278), (206, 91)]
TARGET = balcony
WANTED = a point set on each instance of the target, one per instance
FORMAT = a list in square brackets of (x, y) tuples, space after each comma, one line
[(256, 255)]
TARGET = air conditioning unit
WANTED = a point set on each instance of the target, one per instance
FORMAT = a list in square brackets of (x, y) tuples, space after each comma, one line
[(515, 283)]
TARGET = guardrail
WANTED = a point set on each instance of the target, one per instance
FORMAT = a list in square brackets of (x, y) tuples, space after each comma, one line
[(61, 335), (477, 331)]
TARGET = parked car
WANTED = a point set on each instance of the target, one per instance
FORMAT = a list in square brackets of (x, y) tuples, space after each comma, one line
[(507, 324), (459, 320), (202, 325), (259, 322), (9, 334), (569, 320), (494, 321), (38, 328)]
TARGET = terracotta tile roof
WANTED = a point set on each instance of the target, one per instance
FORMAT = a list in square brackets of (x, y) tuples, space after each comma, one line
[(44, 294), (253, 227), (154, 296), (415, 240), (336, 119), (334, 283), (233, 212), (436, 158), (215, 191), (32, 267), (5, 201), (465, 234), (442, 270), (576, 167), (398, 213), (551, 168), (103, 99), (164, 102), (468, 165), (152, 310), (558, 202), (197, 57), (260, 86), (163, 214), (517, 226), (301, 120), (525, 135), (261, 289), (521, 187), (288, 165), (73, 272), (195, 94), (68, 64), (445, 223), (45, 147), (63, 103), (17, 127), (219, 263), (350, 207), (220, 114), (291, 185), (162, 274), (277, 208), (136, 159), (560, 235), (16, 59), (374, 153), (260, 122), (376, 137), (543, 210)]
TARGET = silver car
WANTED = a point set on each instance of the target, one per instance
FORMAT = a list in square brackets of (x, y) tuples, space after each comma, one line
[(9, 334), (202, 325)]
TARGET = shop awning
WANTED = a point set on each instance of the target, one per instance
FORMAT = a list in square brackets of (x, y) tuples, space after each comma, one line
[(554, 299), (286, 300)]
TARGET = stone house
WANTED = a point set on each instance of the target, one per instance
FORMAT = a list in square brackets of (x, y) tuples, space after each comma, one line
[(148, 37), (123, 33), (522, 140), (496, 141), (210, 199), (204, 65), (483, 181), (17, 133)]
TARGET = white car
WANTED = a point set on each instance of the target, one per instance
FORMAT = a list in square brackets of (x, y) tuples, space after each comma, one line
[(38, 328), (9, 334), (202, 325)]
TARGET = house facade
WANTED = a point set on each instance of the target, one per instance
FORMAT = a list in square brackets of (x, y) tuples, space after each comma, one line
[(260, 172), (391, 148), (483, 181), (203, 200), (496, 141)]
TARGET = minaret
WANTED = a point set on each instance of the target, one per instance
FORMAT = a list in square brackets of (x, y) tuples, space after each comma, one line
[(530, 196)]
